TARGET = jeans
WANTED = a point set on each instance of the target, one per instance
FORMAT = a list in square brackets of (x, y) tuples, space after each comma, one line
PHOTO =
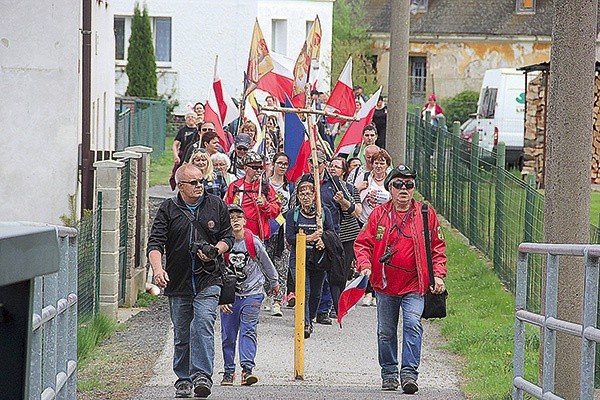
[(193, 320), (388, 311), (326, 298), (244, 320)]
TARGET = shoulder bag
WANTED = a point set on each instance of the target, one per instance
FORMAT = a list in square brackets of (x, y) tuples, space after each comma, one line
[(435, 303)]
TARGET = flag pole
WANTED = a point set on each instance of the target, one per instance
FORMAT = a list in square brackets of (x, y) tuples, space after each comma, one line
[(315, 161)]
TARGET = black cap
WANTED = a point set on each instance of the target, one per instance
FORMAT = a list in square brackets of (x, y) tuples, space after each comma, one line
[(235, 208), (401, 171)]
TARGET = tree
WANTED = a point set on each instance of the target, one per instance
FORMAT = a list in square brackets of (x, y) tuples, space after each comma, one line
[(141, 64), (459, 107), (351, 38)]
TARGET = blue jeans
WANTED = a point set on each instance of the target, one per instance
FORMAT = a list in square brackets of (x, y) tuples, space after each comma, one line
[(326, 297), (193, 320), (244, 320), (388, 312)]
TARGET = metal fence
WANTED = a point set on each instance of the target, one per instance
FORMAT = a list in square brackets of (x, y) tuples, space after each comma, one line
[(88, 261), (145, 124), (54, 326), (492, 207)]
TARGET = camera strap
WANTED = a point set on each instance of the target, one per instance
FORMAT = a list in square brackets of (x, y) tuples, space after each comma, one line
[(425, 212)]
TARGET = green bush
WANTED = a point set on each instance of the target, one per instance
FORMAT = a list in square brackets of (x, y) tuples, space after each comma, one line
[(141, 64), (459, 107), (92, 332)]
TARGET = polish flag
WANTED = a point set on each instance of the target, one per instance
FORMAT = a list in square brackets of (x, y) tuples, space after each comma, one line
[(350, 296), (220, 108), (342, 100), (280, 80), (353, 135)]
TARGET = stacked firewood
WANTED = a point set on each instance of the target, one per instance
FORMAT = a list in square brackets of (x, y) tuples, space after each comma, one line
[(596, 134)]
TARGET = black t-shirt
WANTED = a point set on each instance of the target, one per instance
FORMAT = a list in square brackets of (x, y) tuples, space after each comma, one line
[(186, 136)]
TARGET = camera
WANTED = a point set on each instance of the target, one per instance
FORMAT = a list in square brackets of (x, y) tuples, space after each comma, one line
[(206, 248), (387, 255)]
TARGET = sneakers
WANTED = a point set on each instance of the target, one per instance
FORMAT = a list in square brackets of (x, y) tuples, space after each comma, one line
[(183, 389), (248, 378), (276, 310), (291, 300), (374, 302), (366, 301), (227, 379), (323, 319), (409, 386), (202, 386), (308, 329), (333, 314), (389, 384), (266, 306)]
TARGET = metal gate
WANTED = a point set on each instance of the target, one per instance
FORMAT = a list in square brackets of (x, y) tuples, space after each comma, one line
[(551, 324)]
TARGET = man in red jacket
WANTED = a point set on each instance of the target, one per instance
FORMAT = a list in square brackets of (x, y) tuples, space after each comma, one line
[(390, 249), (256, 196)]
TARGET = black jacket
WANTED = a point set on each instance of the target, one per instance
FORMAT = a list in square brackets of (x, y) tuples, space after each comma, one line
[(334, 252), (172, 232)]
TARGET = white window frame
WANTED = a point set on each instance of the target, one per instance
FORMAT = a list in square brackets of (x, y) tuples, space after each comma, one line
[(128, 19), (278, 43), (154, 38)]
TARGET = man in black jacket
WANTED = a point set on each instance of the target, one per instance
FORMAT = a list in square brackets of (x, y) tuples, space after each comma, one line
[(191, 279)]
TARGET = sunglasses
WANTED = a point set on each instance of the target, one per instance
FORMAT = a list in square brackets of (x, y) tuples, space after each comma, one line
[(398, 184), (195, 182), (241, 148), (255, 167), (207, 130)]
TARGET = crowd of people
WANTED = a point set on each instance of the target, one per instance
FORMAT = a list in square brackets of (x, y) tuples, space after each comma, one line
[(238, 210)]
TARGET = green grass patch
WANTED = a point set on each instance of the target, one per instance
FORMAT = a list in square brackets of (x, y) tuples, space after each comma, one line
[(92, 332), (480, 325), (145, 299), (160, 169)]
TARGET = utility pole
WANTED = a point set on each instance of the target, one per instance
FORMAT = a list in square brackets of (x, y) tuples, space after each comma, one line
[(568, 167), (398, 80)]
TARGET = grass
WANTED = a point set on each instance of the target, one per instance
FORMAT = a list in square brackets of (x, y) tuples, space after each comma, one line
[(90, 333), (160, 169), (145, 299), (480, 325)]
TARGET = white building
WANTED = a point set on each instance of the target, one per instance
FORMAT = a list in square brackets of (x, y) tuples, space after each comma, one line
[(40, 103), (188, 34)]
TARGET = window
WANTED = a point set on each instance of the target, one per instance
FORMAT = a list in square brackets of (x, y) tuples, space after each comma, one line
[(418, 78), (488, 104), (279, 36), (525, 7), (418, 6), (162, 39), (119, 28)]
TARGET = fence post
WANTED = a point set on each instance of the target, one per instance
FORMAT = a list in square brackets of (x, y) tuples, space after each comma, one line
[(440, 165), (529, 209), (108, 174), (474, 188), (454, 173), (499, 214)]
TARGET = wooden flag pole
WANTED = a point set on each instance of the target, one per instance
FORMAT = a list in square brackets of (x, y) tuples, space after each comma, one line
[(315, 162), (309, 110)]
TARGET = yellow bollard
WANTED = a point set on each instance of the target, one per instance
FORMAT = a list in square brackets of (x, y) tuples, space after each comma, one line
[(300, 304)]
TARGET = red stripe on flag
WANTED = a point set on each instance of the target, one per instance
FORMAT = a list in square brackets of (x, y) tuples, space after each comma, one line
[(211, 115)]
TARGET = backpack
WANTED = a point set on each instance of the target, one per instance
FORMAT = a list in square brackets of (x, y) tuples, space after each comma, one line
[(249, 240)]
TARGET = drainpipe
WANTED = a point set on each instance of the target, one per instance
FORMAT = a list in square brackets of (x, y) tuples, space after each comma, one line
[(87, 182)]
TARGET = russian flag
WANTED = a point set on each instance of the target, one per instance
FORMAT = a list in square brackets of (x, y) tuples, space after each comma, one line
[(353, 135), (296, 144), (342, 100), (354, 291)]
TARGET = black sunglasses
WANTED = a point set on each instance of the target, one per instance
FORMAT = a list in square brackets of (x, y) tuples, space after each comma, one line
[(398, 184), (195, 182), (207, 130), (256, 167)]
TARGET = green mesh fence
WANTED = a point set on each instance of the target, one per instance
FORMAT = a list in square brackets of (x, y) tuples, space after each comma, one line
[(494, 209), (146, 125), (88, 261)]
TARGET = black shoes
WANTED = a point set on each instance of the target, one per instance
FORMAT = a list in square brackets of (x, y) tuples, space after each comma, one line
[(409, 386), (308, 329), (323, 319), (389, 384), (227, 379), (202, 386), (183, 389)]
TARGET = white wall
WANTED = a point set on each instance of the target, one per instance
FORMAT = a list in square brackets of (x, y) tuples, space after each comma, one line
[(202, 29), (39, 111)]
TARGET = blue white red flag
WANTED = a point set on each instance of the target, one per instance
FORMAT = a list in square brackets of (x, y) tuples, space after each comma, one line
[(354, 291), (296, 144)]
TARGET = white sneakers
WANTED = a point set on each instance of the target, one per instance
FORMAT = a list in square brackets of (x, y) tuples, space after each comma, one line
[(276, 310)]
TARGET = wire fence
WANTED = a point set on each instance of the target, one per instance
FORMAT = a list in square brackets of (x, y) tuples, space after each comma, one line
[(493, 208), (88, 261), (141, 122)]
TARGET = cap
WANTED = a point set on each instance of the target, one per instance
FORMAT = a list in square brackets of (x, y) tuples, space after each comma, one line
[(235, 208), (432, 97), (321, 157), (401, 171), (252, 157), (304, 179), (243, 140)]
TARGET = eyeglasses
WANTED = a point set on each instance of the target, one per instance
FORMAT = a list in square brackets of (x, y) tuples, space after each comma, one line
[(241, 148), (282, 164), (398, 184), (255, 167), (207, 130), (195, 182), (335, 166), (233, 218), (306, 194)]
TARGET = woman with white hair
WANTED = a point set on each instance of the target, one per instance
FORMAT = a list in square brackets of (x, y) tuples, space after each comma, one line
[(221, 162)]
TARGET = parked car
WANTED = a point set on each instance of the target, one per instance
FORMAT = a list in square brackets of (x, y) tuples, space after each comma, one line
[(466, 134)]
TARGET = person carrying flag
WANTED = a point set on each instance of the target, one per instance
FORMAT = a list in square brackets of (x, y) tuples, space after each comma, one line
[(390, 250)]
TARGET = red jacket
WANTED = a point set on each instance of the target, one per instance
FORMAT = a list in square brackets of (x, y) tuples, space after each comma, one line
[(257, 218), (369, 248)]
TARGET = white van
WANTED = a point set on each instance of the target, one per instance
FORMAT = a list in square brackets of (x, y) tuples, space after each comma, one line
[(501, 112)]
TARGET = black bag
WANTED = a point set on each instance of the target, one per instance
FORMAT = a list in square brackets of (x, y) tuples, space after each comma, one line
[(228, 287), (435, 304)]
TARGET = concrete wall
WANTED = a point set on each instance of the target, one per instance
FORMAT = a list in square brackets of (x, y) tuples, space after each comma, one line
[(202, 29), (455, 65), (39, 108)]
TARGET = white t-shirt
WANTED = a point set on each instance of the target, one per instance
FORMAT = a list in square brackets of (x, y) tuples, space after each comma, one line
[(374, 195)]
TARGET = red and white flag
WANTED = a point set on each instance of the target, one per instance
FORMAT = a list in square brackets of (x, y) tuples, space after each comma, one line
[(220, 108), (279, 81), (342, 100), (353, 135), (350, 296)]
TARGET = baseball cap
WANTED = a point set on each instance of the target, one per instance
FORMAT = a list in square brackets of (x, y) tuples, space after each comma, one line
[(235, 208), (243, 140), (252, 157), (401, 171)]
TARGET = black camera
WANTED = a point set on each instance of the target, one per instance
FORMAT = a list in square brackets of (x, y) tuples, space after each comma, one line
[(386, 256), (206, 248)]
